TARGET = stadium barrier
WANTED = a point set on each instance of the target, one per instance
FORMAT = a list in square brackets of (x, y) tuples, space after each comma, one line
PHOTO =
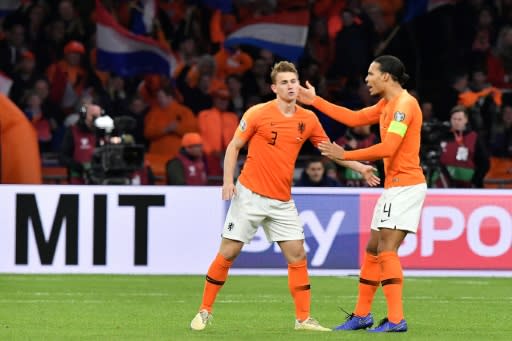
[(176, 230)]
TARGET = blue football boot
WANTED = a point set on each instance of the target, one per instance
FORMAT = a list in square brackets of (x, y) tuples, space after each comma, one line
[(385, 326), (355, 322)]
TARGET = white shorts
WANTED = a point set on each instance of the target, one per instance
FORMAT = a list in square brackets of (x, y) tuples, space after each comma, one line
[(248, 210), (399, 208)]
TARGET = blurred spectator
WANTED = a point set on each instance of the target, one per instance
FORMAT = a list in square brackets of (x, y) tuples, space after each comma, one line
[(205, 65), (427, 109), (50, 49), (449, 97), (12, 47), (356, 138), (51, 110), (196, 92), (501, 145), (149, 87), (314, 175), (501, 153), (186, 54), (231, 61), (319, 47), (221, 25), (73, 23), (257, 81), (499, 61), (483, 102), (164, 126), (137, 109), (34, 112), (484, 36), (79, 143), (463, 156), (188, 167), (24, 76), (67, 76), (20, 160), (116, 95), (353, 48), (238, 103), (36, 16), (217, 126)]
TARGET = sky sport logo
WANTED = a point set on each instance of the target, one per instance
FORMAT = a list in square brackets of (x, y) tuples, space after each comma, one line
[(330, 232)]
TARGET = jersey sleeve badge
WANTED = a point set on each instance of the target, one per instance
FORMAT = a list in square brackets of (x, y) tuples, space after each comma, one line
[(399, 116), (242, 125)]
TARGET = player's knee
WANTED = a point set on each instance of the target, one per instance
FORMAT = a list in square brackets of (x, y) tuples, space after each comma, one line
[(230, 249), (372, 249), (295, 256)]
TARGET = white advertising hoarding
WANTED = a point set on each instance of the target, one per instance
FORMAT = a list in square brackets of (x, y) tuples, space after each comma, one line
[(109, 229), (176, 230)]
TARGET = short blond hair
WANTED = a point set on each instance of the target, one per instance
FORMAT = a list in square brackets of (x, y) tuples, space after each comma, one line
[(282, 66)]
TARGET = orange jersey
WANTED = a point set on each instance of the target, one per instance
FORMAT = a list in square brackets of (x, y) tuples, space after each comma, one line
[(274, 144), (400, 121)]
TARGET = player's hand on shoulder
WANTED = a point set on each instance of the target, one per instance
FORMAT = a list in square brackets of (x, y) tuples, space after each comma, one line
[(332, 150), (306, 94), (228, 191)]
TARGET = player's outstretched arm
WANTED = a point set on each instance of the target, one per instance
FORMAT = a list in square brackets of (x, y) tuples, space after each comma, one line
[(369, 115), (336, 153), (386, 148)]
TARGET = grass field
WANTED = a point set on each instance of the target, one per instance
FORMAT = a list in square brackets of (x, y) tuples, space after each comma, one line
[(106, 307)]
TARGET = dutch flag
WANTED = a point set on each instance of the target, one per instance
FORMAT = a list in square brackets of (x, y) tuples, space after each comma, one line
[(127, 54), (284, 34)]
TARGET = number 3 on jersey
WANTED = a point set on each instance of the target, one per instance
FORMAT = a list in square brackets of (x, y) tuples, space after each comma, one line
[(273, 138)]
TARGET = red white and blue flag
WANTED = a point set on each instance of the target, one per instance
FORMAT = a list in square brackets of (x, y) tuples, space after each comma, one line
[(128, 54), (284, 34)]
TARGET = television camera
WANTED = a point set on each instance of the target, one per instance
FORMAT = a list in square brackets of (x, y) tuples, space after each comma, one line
[(116, 156), (432, 133)]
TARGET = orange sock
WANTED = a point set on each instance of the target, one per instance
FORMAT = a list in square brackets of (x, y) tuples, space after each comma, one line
[(368, 284), (392, 284), (215, 278), (298, 282)]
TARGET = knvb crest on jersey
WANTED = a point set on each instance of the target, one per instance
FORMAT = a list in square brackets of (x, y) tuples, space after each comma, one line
[(301, 127)]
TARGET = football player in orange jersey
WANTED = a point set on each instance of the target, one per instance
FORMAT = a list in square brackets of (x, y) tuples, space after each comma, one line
[(398, 210), (275, 132)]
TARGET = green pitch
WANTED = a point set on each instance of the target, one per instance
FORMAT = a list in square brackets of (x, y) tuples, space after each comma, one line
[(107, 307)]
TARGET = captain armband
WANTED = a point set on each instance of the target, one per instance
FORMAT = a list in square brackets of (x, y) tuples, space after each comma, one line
[(397, 128)]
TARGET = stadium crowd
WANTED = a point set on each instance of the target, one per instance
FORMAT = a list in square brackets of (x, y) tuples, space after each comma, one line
[(459, 56)]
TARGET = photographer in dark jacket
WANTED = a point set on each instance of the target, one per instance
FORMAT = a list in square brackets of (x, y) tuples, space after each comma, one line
[(79, 143)]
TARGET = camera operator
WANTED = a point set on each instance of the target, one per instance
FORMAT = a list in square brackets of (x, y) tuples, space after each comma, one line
[(463, 154), (79, 143)]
